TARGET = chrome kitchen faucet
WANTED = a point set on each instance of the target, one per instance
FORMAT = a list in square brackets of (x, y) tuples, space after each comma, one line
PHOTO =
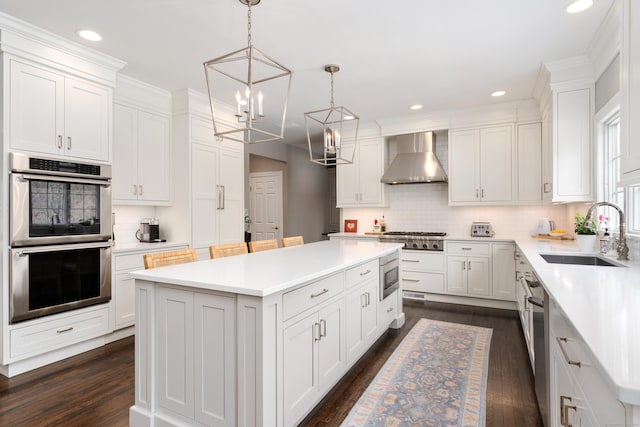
[(621, 246)]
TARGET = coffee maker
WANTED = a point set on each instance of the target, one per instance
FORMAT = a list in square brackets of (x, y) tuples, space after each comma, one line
[(149, 231)]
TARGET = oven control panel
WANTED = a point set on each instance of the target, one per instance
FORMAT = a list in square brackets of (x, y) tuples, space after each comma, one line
[(481, 229)]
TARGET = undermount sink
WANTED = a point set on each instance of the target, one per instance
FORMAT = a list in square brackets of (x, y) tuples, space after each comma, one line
[(579, 260)]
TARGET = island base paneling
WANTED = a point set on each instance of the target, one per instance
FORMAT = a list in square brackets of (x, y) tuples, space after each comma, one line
[(207, 357)]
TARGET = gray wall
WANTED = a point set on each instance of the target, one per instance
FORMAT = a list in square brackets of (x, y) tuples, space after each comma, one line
[(608, 83)]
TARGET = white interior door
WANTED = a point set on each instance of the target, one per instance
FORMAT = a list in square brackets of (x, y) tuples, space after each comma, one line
[(265, 206)]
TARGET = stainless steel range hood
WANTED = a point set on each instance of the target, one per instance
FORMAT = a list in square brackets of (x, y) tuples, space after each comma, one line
[(416, 161)]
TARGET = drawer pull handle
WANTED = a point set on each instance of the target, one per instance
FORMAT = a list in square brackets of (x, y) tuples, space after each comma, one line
[(322, 292), (411, 280), (564, 411), (410, 260), (365, 273), (466, 249), (62, 331), (564, 352)]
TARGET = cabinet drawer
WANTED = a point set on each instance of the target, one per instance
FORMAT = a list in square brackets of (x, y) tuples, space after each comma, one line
[(129, 262), (467, 248), (48, 336), (301, 299), (414, 260), (362, 272), (422, 281)]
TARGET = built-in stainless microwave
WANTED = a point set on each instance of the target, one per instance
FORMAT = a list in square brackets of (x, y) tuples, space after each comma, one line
[(389, 275)]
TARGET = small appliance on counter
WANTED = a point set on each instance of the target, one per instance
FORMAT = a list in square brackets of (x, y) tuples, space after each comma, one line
[(545, 226), (149, 231), (481, 229)]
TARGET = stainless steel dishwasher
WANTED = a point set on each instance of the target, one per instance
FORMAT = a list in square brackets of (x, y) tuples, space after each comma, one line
[(540, 305)]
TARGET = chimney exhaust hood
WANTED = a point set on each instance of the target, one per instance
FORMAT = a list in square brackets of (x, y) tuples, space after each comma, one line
[(416, 161)]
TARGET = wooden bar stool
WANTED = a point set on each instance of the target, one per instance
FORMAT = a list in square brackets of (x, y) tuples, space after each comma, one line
[(230, 249), (162, 259), (263, 245), (292, 241)]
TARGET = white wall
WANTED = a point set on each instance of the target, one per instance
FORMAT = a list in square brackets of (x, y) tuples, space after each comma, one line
[(424, 207)]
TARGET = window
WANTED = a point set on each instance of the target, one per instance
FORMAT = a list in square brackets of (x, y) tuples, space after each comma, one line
[(609, 189)]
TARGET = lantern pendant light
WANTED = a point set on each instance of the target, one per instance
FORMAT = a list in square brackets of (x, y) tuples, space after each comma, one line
[(248, 93), (328, 130)]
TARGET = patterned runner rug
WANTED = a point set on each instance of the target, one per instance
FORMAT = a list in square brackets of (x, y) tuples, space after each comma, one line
[(436, 377)]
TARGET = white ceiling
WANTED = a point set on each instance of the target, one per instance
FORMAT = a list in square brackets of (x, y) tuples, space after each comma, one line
[(440, 53)]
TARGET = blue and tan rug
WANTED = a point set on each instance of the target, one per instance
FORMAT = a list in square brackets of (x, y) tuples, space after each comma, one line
[(436, 377)]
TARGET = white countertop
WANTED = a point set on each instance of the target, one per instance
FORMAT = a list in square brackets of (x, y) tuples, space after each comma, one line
[(120, 248), (603, 305), (268, 272)]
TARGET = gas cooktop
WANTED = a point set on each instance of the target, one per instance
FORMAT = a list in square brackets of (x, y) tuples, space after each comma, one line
[(416, 240)]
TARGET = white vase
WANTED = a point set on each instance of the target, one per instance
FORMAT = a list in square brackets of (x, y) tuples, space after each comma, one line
[(586, 242)]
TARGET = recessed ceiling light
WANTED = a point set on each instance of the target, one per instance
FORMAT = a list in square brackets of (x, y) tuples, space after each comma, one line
[(89, 35), (415, 107), (498, 93), (579, 6)]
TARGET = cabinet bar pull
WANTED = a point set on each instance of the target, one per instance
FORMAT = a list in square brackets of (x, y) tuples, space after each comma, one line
[(564, 352), (365, 273), (464, 265), (410, 260), (59, 141), (410, 280), (62, 331), (323, 328), (141, 189), (322, 292), (68, 143), (469, 262), (363, 300), (482, 193), (466, 249), (476, 193), (564, 411), (135, 190), (316, 331), (368, 299)]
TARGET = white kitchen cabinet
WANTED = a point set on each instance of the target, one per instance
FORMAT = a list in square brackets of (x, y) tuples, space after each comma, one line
[(141, 156), (630, 90), (503, 268), (526, 316), (468, 275), (387, 310), (314, 357), (358, 184), (362, 318), (53, 113), (481, 166), (576, 386), (195, 341), (529, 163), (567, 146), (207, 180), (422, 271), (123, 286)]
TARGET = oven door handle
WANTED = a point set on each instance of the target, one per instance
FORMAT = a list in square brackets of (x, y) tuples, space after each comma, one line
[(27, 176), (56, 248)]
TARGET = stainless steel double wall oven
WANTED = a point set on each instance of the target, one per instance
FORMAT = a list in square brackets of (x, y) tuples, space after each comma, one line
[(60, 236)]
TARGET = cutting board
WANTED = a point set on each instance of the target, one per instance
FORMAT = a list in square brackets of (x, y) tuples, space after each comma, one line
[(565, 237)]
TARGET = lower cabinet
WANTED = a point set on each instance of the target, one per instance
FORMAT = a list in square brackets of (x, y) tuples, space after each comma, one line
[(313, 356), (579, 396), (196, 340), (526, 316), (124, 287), (483, 270), (422, 271), (362, 318)]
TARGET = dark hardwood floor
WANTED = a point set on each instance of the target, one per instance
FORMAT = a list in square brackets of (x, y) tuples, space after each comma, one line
[(96, 388)]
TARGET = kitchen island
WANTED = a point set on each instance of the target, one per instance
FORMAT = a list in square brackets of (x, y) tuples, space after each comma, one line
[(256, 339)]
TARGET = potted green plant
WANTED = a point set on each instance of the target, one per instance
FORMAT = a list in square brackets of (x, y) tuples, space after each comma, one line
[(585, 233)]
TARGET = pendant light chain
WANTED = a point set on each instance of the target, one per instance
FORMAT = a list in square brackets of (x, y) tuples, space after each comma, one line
[(332, 103), (249, 25)]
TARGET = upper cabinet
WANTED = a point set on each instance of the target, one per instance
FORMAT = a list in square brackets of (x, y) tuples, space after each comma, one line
[(52, 113), (630, 89), (358, 184), (565, 92), (529, 163), (141, 144), (57, 93), (481, 166)]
